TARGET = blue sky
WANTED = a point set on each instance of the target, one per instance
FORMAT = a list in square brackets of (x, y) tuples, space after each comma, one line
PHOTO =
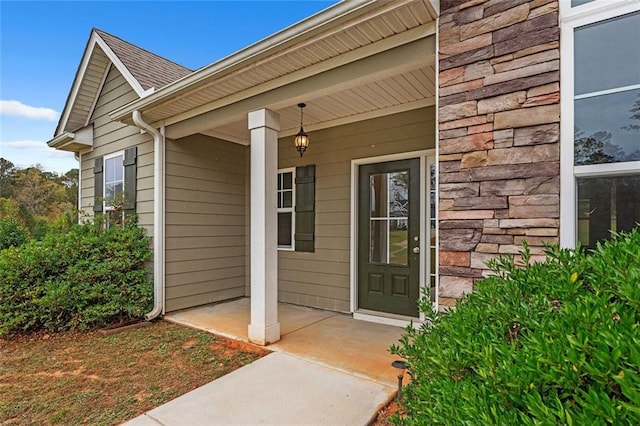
[(41, 44)]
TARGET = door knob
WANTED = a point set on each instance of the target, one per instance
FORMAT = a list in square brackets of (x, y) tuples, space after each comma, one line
[(416, 250)]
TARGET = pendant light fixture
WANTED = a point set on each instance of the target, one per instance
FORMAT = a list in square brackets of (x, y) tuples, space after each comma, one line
[(302, 139)]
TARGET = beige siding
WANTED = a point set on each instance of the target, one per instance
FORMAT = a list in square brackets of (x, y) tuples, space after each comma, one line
[(205, 221), (321, 279), (110, 137)]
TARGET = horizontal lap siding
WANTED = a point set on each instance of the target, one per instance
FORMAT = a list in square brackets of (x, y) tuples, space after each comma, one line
[(322, 279), (205, 221), (110, 137)]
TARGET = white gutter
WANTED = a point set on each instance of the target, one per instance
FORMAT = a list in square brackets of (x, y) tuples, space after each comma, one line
[(158, 215)]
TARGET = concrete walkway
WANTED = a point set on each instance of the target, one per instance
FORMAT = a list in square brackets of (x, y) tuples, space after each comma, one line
[(327, 369)]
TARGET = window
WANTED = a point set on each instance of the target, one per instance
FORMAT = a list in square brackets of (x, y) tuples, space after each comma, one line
[(113, 199), (115, 179), (286, 213), (296, 208), (601, 121)]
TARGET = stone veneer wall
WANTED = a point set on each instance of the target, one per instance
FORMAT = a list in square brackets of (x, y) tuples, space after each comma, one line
[(499, 128)]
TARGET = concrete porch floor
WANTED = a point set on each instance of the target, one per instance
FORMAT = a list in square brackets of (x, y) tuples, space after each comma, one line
[(331, 339)]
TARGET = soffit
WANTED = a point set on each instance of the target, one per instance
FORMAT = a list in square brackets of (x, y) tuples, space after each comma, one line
[(360, 34), (88, 88), (402, 92)]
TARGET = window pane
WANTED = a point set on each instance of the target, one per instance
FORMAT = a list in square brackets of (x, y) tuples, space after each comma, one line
[(287, 180), (605, 205), (607, 54), (113, 169), (398, 242), (114, 218), (287, 199), (113, 190), (607, 128), (575, 3), (379, 194), (378, 246), (284, 229), (399, 194)]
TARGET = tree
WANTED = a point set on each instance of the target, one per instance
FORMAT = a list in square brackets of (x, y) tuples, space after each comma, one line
[(39, 193), (7, 168), (635, 115), (70, 182)]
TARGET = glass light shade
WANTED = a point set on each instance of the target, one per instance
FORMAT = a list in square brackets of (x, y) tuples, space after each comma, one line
[(301, 141)]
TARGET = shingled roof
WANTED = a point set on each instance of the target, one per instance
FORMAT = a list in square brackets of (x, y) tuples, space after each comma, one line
[(148, 68), (143, 70)]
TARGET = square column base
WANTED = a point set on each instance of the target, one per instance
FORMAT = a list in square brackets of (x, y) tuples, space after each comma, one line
[(263, 336)]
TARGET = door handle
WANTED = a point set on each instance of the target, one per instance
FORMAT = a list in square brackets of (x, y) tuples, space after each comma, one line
[(416, 250)]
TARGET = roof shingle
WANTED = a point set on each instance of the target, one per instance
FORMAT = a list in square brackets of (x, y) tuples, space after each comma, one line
[(148, 68)]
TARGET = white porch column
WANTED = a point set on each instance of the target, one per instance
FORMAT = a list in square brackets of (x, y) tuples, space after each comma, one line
[(264, 328)]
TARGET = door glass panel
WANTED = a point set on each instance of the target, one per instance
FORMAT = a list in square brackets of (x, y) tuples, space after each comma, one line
[(389, 217), (398, 242), (378, 195), (607, 128), (379, 241), (398, 194)]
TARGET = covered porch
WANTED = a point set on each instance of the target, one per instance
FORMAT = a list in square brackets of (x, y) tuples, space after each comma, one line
[(328, 338), (366, 72)]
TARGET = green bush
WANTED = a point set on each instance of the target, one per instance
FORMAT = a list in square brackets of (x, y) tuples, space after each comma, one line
[(12, 233), (81, 279), (548, 343)]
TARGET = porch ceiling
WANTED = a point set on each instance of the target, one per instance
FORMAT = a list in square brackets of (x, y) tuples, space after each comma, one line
[(396, 93), (341, 37)]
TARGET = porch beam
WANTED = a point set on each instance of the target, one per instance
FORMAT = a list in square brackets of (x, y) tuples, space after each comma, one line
[(401, 59), (264, 328)]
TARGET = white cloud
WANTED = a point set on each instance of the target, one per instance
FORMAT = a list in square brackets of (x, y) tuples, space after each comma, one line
[(36, 147), (18, 109)]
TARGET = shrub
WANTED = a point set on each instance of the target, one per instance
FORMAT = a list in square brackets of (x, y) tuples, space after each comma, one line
[(12, 233), (548, 343), (81, 279)]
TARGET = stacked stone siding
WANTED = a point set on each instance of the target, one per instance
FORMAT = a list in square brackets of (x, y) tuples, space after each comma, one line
[(499, 152)]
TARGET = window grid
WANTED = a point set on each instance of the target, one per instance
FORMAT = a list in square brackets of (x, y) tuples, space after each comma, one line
[(572, 20), (286, 203), (113, 188)]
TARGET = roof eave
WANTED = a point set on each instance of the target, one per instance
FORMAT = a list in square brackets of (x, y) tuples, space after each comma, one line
[(79, 140), (267, 46)]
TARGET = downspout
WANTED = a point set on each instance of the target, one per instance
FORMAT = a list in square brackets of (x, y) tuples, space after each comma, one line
[(158, 215)]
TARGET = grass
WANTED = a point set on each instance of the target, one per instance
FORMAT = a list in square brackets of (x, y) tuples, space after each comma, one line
[(84, 378)]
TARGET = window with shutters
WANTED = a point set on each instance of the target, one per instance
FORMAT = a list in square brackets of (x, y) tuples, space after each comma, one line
[(296, 209), (115, 186)]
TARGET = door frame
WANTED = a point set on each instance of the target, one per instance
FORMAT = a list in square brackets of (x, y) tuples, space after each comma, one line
[(426, 157)]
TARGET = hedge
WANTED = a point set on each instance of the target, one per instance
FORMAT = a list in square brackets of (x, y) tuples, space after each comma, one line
[(81, 279), (548, 343)]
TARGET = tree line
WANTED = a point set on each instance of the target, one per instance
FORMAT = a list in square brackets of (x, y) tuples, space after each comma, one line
[(38, 199)]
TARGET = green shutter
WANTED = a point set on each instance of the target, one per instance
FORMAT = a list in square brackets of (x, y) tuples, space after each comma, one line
[(130, 178), (98, 185), (305, 208)]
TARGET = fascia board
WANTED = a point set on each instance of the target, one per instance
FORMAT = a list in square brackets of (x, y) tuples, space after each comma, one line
[(280, 40)]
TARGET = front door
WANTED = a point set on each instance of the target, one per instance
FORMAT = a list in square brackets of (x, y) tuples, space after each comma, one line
[(389, 237)]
